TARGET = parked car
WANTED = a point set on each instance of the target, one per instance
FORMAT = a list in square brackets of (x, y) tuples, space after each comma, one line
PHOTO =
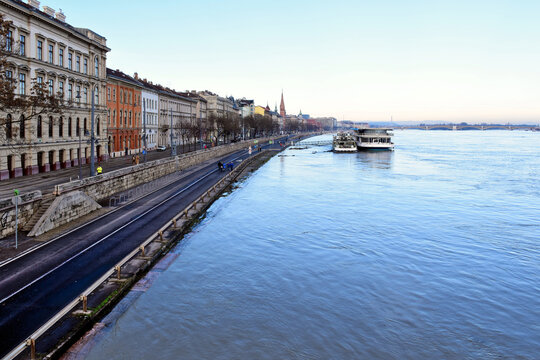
[(161, 148)]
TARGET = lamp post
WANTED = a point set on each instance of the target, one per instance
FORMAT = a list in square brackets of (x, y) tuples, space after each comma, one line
[(92, 138), (144, 129), (78, 97), (173, 148)]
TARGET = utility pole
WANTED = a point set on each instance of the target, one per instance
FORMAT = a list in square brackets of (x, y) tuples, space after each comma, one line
[(144, 129), (173, 148), (92, 170)]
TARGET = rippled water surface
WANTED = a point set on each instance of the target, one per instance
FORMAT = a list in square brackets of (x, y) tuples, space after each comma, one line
[(427, 252)]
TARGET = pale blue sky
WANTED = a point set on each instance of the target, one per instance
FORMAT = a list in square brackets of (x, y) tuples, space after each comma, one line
[(360, 60)]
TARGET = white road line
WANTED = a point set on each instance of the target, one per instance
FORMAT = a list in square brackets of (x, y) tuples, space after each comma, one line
[(106, 237), (36, 247)]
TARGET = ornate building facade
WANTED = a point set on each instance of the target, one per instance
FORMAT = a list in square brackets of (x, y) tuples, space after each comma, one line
[(69, 61)]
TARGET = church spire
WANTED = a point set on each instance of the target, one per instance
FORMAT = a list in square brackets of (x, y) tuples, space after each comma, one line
[(282, 105)]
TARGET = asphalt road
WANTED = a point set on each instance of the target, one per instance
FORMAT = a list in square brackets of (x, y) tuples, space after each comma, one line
[(35, 287)]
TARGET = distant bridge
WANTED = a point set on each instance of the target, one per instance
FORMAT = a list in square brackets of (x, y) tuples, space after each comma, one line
[(467, 127)]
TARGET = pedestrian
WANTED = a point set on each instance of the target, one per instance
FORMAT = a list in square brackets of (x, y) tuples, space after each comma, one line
[(230, 166), (99, 170), (220, 166), (133, 160), (137, 160), (249, 150)]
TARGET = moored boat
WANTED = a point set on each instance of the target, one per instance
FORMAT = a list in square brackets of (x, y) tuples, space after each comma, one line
[(373, 138), (344, 142)]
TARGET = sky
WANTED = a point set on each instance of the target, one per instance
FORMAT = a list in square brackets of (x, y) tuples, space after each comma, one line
[(425, 60)]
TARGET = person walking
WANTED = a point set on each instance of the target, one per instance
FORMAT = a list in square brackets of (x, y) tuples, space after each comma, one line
[(99, 170)]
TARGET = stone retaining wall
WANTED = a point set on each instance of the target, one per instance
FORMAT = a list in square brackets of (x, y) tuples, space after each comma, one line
[(64, 209), (103, 186), (26, 207)]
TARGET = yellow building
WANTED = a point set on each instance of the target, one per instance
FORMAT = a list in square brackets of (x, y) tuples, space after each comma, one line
[(260, 110)]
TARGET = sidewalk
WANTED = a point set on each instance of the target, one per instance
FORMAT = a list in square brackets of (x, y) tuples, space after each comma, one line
[(47, 181)]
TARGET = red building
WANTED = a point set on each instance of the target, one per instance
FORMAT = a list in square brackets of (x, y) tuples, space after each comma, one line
[(124, 113)]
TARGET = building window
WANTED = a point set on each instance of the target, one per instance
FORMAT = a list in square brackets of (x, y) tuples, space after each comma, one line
[(9, 75), (130, 118), (9, 133), (69, 126), (61, 57), (125, 97), (70, 91), (85, 127), (70, 61), (121, 96), (109, 116), (114, 94), (9, 41), (108, 94), (121, 117), (98, 127), (51, 87), (125, 118), (114, 116), (22, 130), (78, 128), (85, 65), (61, 88), (51, 50), (22, 45), (22, 84), (85, 92), (78, 93), (78, 64), (96, 66), (39, 127), (129, 97), (40, 50), (61, 127), (51, 123)]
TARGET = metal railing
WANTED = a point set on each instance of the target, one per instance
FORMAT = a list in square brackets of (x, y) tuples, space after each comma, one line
[(157, 236)]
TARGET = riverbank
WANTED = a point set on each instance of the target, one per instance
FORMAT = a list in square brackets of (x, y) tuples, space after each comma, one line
[(104, 297)]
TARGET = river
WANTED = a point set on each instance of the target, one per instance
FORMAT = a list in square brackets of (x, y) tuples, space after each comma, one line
[(428, 252)]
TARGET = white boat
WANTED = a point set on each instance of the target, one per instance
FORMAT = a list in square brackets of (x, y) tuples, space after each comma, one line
[(344, 142), (373, 138)]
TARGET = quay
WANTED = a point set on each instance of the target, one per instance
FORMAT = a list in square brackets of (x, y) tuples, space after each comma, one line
[(80, 274)]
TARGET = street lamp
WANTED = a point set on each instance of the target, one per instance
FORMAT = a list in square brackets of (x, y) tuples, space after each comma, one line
[(78, 97), (173, 147), (92, 138), (144, 131)]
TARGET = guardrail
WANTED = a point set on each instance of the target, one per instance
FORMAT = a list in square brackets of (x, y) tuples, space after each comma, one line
[(157, 236)]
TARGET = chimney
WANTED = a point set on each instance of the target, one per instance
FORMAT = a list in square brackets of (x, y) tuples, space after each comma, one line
[(49, 11), (136, 76), (60, 16), (34, 3)]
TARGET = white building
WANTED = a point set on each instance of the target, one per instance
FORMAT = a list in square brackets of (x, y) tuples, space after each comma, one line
[(150, 106), (69, 60)]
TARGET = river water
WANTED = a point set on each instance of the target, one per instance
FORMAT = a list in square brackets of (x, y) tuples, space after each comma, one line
[(428, 252)]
